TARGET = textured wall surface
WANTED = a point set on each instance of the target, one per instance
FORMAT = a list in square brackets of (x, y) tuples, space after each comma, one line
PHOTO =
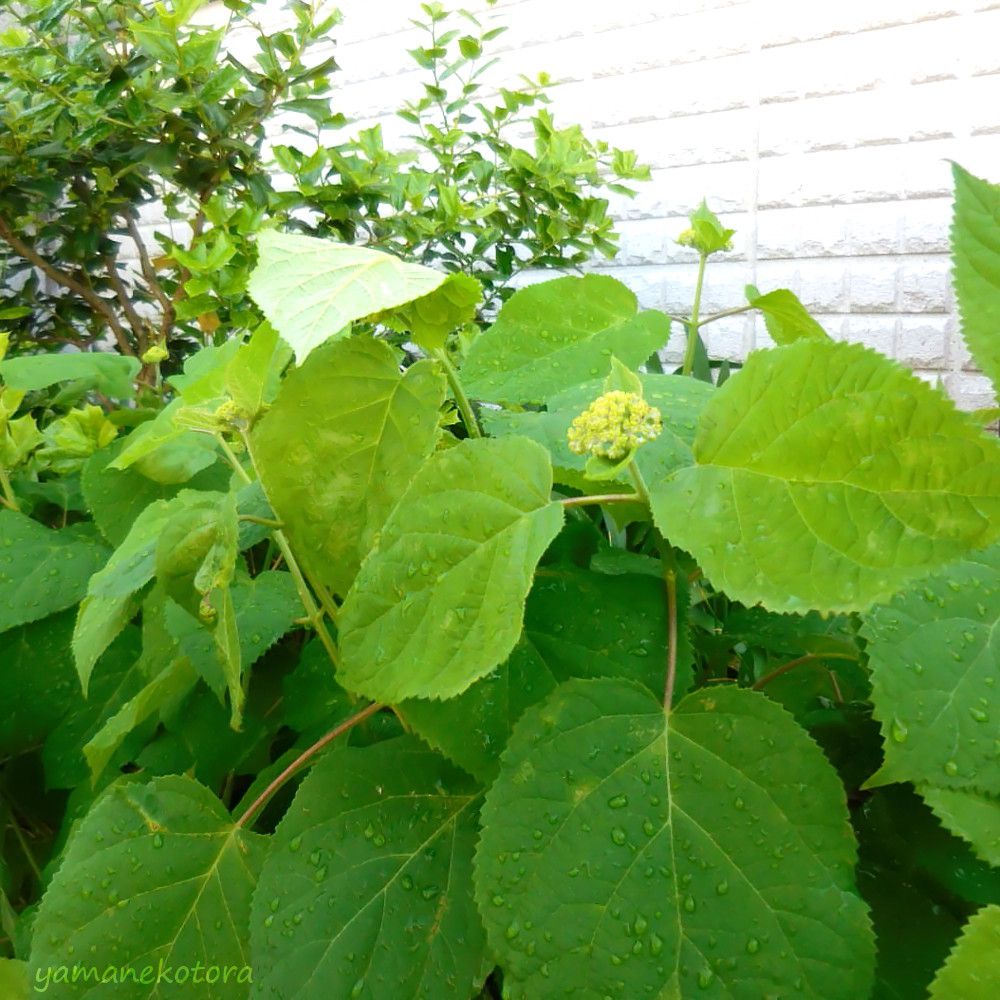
[(821, 132)]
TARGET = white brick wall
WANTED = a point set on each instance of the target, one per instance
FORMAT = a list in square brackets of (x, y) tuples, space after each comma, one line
[(821, 132)]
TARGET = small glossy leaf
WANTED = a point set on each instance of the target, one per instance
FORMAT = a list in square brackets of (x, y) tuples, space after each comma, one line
[(432, 317), (975, 249), (340, 445), (367, 891), (934, 652), (111, 374), (785, 317), (265, 607), (253, 373), (971, 815), (154, 873), (439, 601), (311, 289), (704, 853), (557, 334), (110, 601), (43, 571), (828, 477), (576, 624), (707, 234), (169, 451), (972, 971), (116, 497)]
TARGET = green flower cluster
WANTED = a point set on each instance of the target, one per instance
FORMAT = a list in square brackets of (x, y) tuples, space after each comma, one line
[(614, 425)]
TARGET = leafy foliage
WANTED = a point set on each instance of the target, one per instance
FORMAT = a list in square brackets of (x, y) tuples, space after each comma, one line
[(330, 662), (389, 910), (776, 470), (604, 865), (108, 110), (432, 611), (973, 967)]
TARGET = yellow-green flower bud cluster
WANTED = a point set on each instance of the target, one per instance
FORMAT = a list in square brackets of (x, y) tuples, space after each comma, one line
[(614, 425), (155, 355)]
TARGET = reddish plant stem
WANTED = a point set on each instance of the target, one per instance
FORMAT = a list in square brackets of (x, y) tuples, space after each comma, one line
[(304, 757), (670, 578), (760, 684)]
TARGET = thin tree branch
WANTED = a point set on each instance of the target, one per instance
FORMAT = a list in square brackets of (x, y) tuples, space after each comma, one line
[(122, 293), (68, 282), (149, 273)]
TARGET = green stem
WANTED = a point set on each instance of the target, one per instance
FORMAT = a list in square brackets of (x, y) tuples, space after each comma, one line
[(313, 611), (464, 406), (693, 324), (670, 579), (266, 522), (641, 489), (303, 758), (9, 500), (735, 311), (600, 498)]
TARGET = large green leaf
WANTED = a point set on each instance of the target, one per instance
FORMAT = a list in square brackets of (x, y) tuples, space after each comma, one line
[(163, 692), (340, 445), (155, 876), (913, 934), (311, 289), (706, 853), (117, 678), (557, 334), (576, 624), (971, 815), (975, 253), (14, 980), (367, 890), (972, 971), (439, 601), (935, 660), (112, 374), (43, 571), (828, 477), (37, 681)]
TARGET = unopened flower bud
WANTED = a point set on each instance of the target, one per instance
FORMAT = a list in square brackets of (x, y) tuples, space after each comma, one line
[(614, 425)]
